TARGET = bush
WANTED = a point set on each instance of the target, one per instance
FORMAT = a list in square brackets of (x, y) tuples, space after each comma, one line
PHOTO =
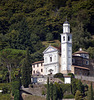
[(15, 85), (58, 75), (6, 87), (71, 74), (16, 95), (70, 96)]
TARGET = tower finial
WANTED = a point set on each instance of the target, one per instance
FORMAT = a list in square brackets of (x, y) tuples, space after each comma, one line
[(66, 18)]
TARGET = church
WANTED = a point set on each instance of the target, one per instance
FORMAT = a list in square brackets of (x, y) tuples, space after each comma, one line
[(62, 60)]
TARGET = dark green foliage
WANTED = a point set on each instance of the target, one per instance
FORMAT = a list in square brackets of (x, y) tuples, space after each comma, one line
[(49, 37), (48, 90), (79, 86), (15, 86), (90, 93), (51, 91), (73, 86), (21, 19), (17, 95), (71, 74), (26, 70), (58, 75), (55, 92)]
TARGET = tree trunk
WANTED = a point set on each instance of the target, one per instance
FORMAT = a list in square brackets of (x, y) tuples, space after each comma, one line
[(9, 70)]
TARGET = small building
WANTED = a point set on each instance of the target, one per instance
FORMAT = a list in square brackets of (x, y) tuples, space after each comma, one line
[(67, 79), (38, 68)]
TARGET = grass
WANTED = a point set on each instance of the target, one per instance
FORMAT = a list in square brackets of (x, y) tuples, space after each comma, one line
[(55, 43), (31, 97)]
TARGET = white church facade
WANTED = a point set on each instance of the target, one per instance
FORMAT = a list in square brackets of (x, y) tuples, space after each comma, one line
[(62, 60)]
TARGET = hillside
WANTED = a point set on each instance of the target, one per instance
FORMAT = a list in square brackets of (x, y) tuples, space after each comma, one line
[(25, 23)]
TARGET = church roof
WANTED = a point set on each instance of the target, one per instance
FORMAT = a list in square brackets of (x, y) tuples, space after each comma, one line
[(51, 49)]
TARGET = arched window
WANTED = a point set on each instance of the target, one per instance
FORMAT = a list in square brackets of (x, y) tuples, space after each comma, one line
[(63, 38), (50, 59), (68, 38)]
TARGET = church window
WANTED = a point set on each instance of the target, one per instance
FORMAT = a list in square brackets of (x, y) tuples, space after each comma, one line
[(68, 38), (41, 70), (50, 59), (63, 38)]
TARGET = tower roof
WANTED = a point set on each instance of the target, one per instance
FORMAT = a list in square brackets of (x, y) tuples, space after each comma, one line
[(66, 22)]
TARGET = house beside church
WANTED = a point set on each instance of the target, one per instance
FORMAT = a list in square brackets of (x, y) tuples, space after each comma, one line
[(62, 60)]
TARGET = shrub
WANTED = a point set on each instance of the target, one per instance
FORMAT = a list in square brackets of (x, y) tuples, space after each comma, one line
[(58, 75), (70, 96), (15, 85), (16, 95), (71, 74)]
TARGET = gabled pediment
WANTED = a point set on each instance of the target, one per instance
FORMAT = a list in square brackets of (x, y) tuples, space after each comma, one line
[(50, 49)]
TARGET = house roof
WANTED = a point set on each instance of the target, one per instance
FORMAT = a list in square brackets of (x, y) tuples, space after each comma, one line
[(80, 52), (80, 67), (38, 62)]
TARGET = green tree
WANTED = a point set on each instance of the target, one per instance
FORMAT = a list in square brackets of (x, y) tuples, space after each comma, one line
[(78, 95), (90, 93), (49, 37), (79, 86), (54, 92), (73, 86), (17, 95), (51, 91), (26, 70), (10, 58), (48, 90)]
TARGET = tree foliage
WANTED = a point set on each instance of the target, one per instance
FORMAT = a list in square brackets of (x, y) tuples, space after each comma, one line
[(26, 23), (26, 70), (48, 90)]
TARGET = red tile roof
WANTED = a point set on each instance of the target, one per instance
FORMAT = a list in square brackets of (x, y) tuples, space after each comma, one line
[(38, 62), (81, 52)]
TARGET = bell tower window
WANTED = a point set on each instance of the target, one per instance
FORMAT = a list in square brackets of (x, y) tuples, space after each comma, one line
[(68, 38), (63, 38), (50, 59)]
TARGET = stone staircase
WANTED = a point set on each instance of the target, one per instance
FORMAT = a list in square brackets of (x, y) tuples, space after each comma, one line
[(36, 90)]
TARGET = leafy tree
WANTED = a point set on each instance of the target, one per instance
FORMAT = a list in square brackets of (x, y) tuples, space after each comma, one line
[(51, 91), (10, 58), (48, 90), (49, 37), (79, 86), (73, 86), (26, 70), (78, 95), (17, 95), (90, 93), (54, 92)]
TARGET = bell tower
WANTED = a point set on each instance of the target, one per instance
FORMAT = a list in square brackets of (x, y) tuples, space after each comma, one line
[(66, 49)]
